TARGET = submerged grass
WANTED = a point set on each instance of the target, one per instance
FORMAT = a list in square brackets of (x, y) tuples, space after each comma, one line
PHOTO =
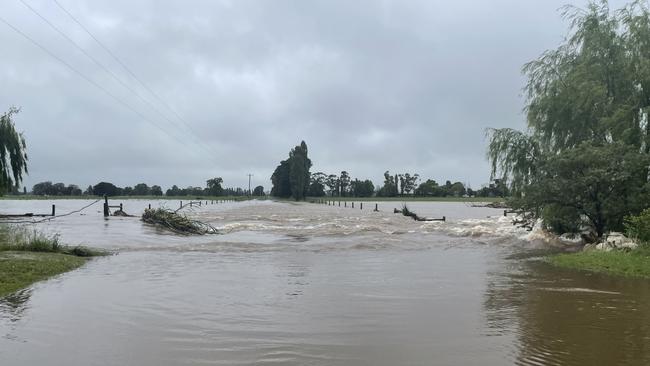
[(28, 256), (21, 239), (635, 263), (21, 269)]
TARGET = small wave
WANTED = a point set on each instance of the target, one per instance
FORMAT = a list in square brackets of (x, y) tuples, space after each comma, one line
[(579, 289)]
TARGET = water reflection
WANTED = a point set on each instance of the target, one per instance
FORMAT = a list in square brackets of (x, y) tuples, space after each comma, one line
[(570, 318)]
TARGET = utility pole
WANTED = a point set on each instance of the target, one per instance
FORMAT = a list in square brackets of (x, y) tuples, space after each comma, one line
[(250, 193)]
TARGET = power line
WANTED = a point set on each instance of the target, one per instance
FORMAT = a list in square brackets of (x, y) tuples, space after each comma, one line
[(128, 70), (108, 71), (89, 80)]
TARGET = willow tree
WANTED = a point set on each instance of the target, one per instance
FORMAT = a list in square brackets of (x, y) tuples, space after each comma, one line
[(592, 92), (13, 158)]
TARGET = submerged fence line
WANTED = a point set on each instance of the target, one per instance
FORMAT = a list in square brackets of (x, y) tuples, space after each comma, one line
[(408, 213)]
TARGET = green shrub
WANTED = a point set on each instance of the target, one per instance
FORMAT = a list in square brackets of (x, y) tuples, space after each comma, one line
[(638, 226), (561, 220)]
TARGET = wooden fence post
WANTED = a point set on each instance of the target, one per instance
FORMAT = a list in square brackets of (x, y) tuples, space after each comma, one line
[(106, 212), (53, 210), (361, 204)]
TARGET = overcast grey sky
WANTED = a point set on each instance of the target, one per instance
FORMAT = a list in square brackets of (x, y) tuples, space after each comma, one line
[(405, 86)]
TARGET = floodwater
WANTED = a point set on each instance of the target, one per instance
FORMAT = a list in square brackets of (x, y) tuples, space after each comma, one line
[(308, 284)]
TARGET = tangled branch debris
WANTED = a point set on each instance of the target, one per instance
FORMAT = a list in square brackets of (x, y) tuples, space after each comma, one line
[(406, 212), (178, 223)]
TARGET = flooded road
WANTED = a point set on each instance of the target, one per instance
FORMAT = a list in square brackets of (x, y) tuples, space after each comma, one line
[(307, 284)]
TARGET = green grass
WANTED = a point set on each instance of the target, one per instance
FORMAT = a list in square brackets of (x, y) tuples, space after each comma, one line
[(21, 269), (409, 199), (22, 239), (28, 256), (629, 264)]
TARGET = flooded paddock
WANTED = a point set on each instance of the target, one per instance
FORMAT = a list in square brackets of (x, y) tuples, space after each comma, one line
[(308, 284)]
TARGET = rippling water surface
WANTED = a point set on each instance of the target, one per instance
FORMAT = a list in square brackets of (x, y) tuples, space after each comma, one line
[(307, 284)]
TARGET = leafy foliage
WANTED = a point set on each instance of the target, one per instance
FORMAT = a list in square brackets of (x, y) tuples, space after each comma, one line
[(638, 226), (13, 158), (258, 191), (214, 186), (292, 178), (584, 161), (57, 189)]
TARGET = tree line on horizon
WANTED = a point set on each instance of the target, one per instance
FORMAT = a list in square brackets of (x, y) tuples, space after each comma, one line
[(213, 188), (292, 179)]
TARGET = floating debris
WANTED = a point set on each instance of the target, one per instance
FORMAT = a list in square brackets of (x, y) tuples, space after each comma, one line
[(176, 222), (406, 212)]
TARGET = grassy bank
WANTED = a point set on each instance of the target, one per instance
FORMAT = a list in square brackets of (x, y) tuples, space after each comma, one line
[(630, 264), (21, 269), (27, 256)]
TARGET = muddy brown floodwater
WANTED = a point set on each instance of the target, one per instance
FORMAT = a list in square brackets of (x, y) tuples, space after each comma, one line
[(307, 284)]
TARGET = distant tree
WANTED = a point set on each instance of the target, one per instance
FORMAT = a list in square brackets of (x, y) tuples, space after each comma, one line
[(428, 188), (395, 186), (173, 191), (89, 191), (409, 182), (258, 191), (332, 182), (389, 189), (127, 191), (344, 183), (281, 185), (141, 189), (214, 186), (42, 189), (317, 185), (58, 189), (106, 188), (457, 189), (292, 178), (299, 171), (13, 157), (156, 190), (360, 188), (73, 190)]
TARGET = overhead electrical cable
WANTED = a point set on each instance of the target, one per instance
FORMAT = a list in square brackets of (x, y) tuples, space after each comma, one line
[(128, 70), (90, 81), (109, 72)]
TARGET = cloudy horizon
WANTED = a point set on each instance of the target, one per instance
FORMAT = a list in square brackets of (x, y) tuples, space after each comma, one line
[(227, 88)]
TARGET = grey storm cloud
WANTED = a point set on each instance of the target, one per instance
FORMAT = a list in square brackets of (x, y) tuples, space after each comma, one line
[(405, 86)]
